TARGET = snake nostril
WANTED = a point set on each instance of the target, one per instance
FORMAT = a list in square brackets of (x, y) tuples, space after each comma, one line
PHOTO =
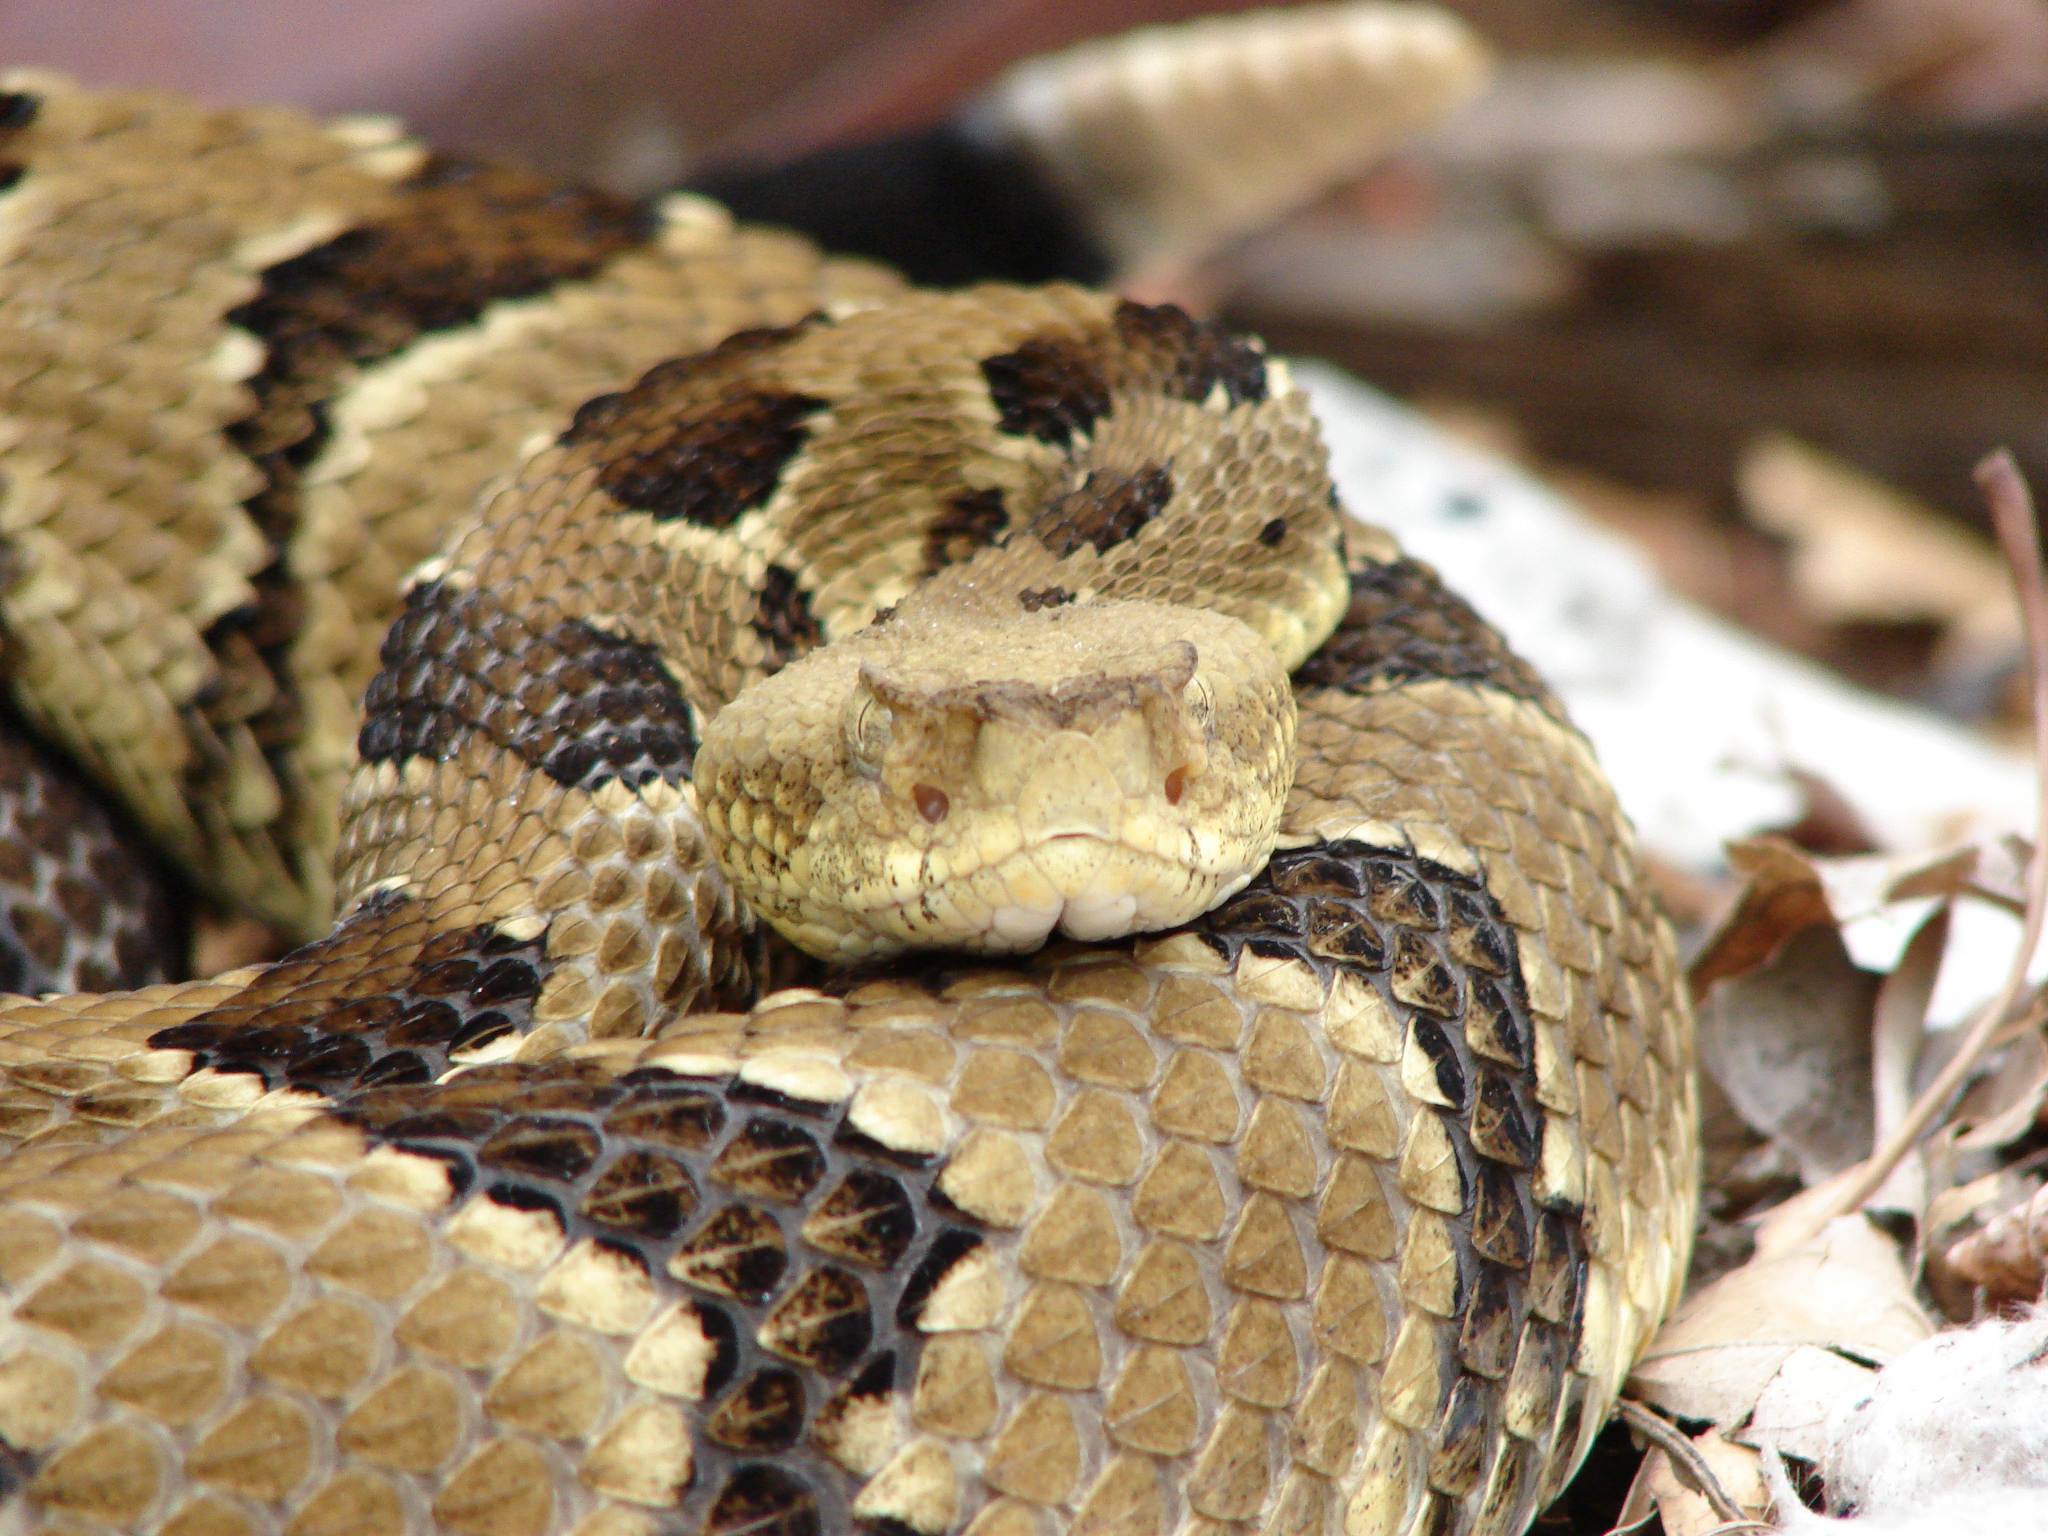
[(1176, 784), (932, 804)]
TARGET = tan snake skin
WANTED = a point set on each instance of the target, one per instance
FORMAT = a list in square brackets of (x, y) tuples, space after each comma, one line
[(1342, 1208)]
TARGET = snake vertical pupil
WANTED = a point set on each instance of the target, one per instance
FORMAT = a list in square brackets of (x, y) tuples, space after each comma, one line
[(932, 804), (1176, 784)]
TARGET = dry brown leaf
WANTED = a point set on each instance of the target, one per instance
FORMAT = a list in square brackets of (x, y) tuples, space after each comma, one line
[(1786, 888), (1862, 551), (1790, 1044), (1846, 1291), (1806, 1039), (2007, 1102), (2008, 1257), (1782, 893)]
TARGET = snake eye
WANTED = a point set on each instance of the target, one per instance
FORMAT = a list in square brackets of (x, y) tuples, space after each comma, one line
[(1176, 784), (932, 803), (867, 731)]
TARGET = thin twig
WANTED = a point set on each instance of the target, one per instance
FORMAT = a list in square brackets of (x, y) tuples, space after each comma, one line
[(2005, 901), (1671, 1440), (2012, 513)]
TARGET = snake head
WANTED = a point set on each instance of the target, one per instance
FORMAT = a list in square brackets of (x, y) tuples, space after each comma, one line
[(1094, 769)]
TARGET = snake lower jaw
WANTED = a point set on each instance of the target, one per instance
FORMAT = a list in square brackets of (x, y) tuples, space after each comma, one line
[(1086, 886)]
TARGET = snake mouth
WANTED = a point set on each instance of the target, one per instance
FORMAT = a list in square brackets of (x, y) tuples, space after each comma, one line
[(1091, 886)]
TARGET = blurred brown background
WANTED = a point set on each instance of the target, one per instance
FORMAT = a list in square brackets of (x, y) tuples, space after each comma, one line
[(1675, 231)]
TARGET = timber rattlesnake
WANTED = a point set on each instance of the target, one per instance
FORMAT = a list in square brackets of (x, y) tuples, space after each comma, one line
[(1343, 1206)]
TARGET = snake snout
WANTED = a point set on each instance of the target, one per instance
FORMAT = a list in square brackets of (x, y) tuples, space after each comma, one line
[(1071, 792)]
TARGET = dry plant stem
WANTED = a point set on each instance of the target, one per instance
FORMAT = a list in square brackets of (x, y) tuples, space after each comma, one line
[(1671, 1440), (2012, 513)]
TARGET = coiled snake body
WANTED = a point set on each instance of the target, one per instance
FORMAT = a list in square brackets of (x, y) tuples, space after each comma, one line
[(1341, 1207)]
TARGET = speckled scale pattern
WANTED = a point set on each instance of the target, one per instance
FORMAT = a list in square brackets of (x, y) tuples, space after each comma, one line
[(523, 1201), (82, 907)]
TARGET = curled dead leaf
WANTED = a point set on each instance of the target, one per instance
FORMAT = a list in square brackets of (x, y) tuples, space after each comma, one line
[(1846, 1291)]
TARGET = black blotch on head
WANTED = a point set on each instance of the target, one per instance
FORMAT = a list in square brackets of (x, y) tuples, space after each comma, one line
[(581, 705), (970, 521), (783, 618), (1106, 511), (19, 108), (1403, 625), (1273, 532), (1052, 389), (1191, 356), (712, 466)]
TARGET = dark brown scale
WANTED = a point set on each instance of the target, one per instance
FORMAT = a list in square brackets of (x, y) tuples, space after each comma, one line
[(679, 1117), (1475, 941), (823, 1321), (867, 1218), (541, 1147), (83, 906), (763, 1413), (972, 520), (1397, 897), (383, 978), (1486, 1331), (761, 1500), (643, 1194), (1494, 1027), (1461, 1439), (1032, 600), (1420, 978), (637, 1165), (740, 1252), (771, 1159), (1499, 1130), (1434, 1041), (1557, 1268), (1106, 511), (1500, 1228), (1338, 931)]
